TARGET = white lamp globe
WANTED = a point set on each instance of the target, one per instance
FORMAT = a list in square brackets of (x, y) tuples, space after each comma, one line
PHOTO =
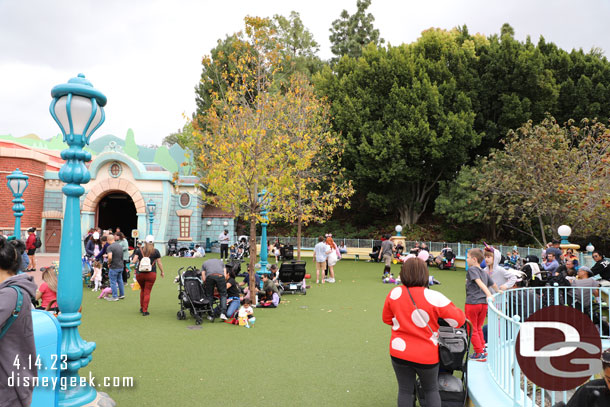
[(209, 223), (590, 248), (564, 231), (398, 228), (225, 223)]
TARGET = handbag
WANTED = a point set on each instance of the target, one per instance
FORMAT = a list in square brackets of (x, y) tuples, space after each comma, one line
[(444, 353)]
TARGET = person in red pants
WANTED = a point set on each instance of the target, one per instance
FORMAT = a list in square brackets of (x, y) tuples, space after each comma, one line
[(477, 293), (147, 259)]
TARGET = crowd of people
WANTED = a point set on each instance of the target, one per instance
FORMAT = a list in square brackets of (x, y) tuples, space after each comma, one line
[(414, 311)]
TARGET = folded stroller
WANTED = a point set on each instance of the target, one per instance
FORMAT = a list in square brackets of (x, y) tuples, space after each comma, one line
[(191, 295), (291, 277), (453, 391)]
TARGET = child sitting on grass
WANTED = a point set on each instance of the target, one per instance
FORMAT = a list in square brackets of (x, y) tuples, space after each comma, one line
[(270, 300), (245, 315)]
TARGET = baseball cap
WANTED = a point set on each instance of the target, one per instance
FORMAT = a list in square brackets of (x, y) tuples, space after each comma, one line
[(587, 269), (150, 239)]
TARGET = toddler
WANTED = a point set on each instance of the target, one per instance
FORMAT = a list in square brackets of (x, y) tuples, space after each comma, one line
[(245, 315), (97, 275)]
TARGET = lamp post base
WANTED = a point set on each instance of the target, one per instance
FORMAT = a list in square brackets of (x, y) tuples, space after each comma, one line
[(102, 400)]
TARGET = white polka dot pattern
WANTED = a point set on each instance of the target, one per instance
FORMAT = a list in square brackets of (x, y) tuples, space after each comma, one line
[(435, 298), (395, 323), (396, 293), (451, 322), (399, 344), (420, 318)]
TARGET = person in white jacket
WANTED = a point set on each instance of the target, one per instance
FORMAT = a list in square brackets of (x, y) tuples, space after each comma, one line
[(504, 278)]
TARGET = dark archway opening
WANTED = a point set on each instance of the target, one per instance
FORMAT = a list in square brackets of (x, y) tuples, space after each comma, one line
[(118, 210)]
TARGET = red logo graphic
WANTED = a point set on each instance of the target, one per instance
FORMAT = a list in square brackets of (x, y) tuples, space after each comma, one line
[(559, 348)]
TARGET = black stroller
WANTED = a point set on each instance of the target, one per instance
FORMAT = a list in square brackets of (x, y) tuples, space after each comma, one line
[(453, 391), (172, 247), (287, 252), (292, 275), (191, 295)]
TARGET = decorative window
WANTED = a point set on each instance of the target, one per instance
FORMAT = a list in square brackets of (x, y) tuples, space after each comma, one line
[(185, 200), (185, 227), (115, 170)]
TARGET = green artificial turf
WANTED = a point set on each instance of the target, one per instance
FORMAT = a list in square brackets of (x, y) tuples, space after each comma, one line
[(326, 348)]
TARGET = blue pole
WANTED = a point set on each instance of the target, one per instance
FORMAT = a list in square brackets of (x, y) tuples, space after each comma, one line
[(18, 201), (265, 222), (70, 282), (151, 218)]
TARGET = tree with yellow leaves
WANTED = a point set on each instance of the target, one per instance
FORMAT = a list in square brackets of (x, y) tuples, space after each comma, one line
[(260, 135)]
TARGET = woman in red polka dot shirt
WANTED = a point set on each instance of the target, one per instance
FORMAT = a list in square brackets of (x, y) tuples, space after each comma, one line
[(413, 348)]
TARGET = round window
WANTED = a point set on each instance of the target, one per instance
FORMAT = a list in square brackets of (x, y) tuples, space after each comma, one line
[(185, 200), (115, 170)]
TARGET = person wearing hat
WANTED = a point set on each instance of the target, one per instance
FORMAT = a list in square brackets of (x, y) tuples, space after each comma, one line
[(583, 279), (94, 245), (595, 393), (147, 259), (555, 250)]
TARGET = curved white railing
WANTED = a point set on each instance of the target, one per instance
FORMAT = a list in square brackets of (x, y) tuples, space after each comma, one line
[(504, 318)]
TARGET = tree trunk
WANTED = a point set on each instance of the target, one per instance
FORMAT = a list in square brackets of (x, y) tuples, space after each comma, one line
[(542, 230), (408, 215), (252, 267), (299, 226)]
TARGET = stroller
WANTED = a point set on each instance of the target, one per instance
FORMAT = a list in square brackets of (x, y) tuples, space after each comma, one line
[(243, 248), (191, 295), (453, 391), (292, 275), (287, 252), (172, 247), (447, 260)]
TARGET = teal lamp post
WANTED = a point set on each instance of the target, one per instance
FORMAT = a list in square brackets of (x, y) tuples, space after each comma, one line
[(150, 208), (398, 229), (17, 183), (264, 202), (77, 109)]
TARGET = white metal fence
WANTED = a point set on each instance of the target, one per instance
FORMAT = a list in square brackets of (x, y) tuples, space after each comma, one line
[(458, 248), (504, 320)]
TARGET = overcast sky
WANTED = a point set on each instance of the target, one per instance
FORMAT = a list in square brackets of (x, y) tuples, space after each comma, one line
[(145, 55)]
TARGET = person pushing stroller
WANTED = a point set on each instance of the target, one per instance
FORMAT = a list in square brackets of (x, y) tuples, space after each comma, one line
[(213, 275)]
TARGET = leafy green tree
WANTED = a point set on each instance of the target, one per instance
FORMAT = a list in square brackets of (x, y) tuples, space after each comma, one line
[(131, 148), (407, 118), (350, 33), (297, 45)]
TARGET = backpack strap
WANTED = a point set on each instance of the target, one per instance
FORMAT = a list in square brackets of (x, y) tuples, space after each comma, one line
[(15, 314)]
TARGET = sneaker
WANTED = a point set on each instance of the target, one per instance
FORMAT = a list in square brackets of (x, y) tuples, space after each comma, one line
[(141, 312), (145, 314), (223, 317), (478, 357), (331, 280), (122, 297), (210, 318), (111, 298)]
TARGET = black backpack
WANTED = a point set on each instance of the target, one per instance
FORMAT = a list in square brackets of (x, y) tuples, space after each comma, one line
[(37, 243)]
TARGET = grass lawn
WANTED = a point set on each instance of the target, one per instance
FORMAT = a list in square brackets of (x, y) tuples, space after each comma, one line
[(326, 348)]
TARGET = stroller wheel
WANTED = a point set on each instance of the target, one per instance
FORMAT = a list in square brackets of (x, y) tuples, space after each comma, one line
[(198, 321), (441, 266), (181, 315)]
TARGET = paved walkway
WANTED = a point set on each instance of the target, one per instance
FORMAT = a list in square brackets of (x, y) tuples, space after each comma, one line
[(43, 260)]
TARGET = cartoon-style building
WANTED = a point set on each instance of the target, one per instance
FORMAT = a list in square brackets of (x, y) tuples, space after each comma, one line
[(116, 196)]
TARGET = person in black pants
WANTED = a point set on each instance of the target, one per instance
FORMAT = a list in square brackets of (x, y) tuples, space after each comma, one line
[(213, 274), (223, 239)]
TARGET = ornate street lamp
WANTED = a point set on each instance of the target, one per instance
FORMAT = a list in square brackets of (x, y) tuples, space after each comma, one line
[(77, 109), (150, 208), (17, 183), (564, 232), (590, 248), (264, 202), (398, 229)]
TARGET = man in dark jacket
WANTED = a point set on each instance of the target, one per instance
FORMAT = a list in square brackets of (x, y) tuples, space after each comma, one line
[(601, 266)]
